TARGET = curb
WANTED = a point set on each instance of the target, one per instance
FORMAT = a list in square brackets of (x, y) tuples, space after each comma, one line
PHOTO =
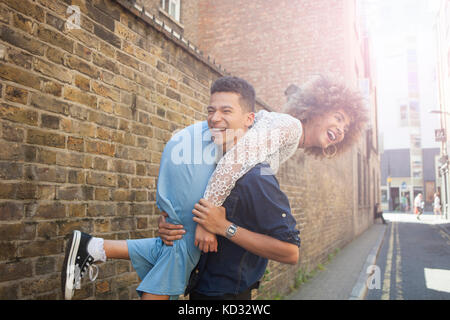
[(359, 291)]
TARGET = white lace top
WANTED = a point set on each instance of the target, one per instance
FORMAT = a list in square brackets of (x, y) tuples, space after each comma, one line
[(274, 138)]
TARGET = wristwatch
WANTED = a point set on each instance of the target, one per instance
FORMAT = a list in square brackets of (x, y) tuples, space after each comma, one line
[(231, 231)]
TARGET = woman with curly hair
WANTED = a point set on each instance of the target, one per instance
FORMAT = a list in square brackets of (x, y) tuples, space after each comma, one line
[(324, 117), (318, 100)]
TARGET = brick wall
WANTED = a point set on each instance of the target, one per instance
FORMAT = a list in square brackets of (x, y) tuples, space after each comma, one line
[(189, 16), (274, 44), (84, 116)]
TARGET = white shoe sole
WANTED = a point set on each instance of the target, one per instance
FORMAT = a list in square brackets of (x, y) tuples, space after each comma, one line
[(70, 267)]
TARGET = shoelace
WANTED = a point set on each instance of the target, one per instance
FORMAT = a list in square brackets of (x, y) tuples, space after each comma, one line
[(79, 275)]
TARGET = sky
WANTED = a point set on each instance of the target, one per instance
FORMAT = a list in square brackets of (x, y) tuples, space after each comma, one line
[(395, 25)]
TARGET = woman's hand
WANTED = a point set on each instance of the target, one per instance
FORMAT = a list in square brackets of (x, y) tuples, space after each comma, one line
[(212, 218), (169, 232), (204, 240)]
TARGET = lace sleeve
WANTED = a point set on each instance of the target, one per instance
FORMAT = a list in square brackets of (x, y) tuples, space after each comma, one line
[(274, 138)]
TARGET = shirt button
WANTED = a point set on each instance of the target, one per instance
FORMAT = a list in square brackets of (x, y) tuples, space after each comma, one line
[(283, 215)]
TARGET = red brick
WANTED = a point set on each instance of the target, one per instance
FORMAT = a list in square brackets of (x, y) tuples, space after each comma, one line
[(18, 114), (99, 147), (16, 94), (46, 138), (15, 271), (11, 211)]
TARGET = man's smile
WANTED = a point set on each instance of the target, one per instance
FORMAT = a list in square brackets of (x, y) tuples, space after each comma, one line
[(217, 133), (217, 129)]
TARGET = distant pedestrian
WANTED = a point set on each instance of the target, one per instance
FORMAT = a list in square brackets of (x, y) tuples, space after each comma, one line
[(403, 203), (418, 205), (378, 213), (437, 204)]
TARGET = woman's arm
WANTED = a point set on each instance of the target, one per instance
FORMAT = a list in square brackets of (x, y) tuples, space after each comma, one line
[(274, 138)]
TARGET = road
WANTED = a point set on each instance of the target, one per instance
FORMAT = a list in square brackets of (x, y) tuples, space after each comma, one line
[(414, 260)]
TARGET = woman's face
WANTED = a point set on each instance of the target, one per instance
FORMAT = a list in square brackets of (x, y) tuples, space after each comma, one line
[(328, 129)]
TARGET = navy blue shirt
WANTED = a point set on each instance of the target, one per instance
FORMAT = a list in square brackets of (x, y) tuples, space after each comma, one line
[(257, 204)]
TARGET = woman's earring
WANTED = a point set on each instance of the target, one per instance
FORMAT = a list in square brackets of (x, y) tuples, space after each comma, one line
[(328, 154)]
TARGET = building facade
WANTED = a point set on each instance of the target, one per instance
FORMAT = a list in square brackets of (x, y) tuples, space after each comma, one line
[(90, 92), (399, 187), (273, 44), (442, 28), (406, 95)]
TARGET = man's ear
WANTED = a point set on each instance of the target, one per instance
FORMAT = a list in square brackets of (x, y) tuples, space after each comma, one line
[(250, 119)]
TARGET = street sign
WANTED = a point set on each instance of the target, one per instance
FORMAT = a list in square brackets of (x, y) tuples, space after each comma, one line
[(403, 185), (440, 135)]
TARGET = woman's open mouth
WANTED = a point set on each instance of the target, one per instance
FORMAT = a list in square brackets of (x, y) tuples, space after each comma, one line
[(331, 135)]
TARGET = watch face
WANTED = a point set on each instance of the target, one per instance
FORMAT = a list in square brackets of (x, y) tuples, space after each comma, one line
[(231, 231)]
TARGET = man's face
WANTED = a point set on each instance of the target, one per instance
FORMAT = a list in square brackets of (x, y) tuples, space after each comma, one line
[(227, 120)]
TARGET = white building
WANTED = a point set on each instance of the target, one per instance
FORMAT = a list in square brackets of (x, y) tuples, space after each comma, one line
[(402, 32)]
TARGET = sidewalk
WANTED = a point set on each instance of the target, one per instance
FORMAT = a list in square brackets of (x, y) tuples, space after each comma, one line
[(345, 276)]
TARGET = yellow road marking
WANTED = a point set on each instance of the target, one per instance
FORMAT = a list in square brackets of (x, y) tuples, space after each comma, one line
[(398, 272), (387, 272)]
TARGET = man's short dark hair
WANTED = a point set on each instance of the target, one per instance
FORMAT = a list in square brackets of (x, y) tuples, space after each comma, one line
[(239, 86)]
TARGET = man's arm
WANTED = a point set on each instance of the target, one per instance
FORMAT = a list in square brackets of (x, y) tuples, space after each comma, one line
[(266, 247), (169, 232), (214, 220)]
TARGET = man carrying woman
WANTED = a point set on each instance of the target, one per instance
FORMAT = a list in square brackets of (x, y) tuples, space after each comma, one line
[(325, 119)]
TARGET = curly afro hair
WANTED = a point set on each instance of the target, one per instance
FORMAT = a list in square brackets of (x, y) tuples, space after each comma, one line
[(322, 95)]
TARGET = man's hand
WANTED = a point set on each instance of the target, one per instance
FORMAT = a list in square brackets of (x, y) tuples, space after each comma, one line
[(204, 240), (210, 217), (169, 232)]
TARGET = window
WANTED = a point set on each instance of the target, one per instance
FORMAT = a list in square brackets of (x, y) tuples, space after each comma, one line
[(404, 116), (360, 196), (412, 56), (375, 184), (414, 105), (172, 7), (384, 196), (366, 183), (416, 161), (415, 141)]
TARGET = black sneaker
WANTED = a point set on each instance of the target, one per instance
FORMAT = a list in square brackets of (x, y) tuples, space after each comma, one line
[(76, 262)]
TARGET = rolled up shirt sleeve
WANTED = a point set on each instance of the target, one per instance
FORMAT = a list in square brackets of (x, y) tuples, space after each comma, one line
[(270, 207)]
